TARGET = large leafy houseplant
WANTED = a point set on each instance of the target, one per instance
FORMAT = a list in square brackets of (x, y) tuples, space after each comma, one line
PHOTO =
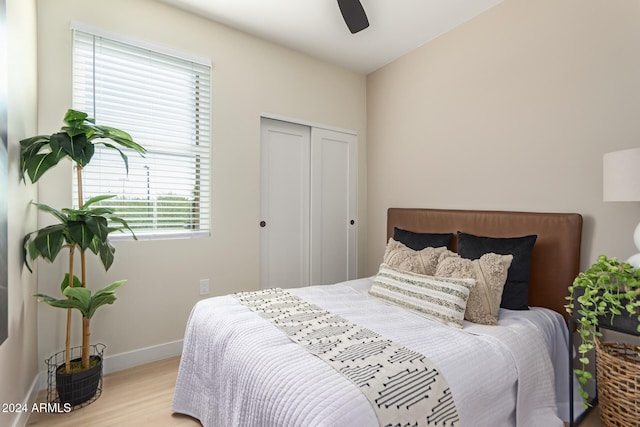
[(608, 291), (87, 227)]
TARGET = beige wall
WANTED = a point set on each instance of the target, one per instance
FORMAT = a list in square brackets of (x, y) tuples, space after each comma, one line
[(18, 361), (512, 110), (250, 77)]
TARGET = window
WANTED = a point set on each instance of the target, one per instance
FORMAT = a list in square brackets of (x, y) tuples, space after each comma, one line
[(163, 101)]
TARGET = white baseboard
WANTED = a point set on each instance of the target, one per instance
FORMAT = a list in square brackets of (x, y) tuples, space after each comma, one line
[(130, 359), (115, 363), (32, 394)]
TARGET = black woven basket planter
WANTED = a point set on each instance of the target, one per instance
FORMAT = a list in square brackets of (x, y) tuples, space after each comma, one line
[(78, 389)]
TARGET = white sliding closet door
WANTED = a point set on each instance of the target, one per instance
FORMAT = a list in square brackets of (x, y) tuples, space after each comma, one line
[(333, 206), (285, 181), (308, 204)]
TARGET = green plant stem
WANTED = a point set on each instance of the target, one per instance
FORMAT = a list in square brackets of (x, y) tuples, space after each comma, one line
[(79, 180), (83, 277), (86, 332), (86, 338), (67, 353)]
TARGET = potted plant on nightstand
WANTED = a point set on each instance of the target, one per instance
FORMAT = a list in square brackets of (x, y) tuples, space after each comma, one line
[(78, 230), (608, 295)]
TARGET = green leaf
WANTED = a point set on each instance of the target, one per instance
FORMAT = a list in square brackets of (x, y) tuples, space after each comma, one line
[(80, 234), (109, 289), (585, 397), (29, 148), (125, 225), (56, 150), (82, 295), (103, 296), (34, 142), (584, 348), (39, 164), (65, 142), (46, 208), (32, 248), (87, 152), (98, 225), (48, 242), (98, 302), (59, 303), (121, 137), (25, 252), (65, 282), (44, 298), (97, 199), (124, 157), (100, 211), (76, 146), (72, 117), (107, 254)]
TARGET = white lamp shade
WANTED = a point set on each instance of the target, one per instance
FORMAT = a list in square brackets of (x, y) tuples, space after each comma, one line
[(621, 176)]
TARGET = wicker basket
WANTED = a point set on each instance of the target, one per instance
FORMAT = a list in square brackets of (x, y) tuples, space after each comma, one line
[(618, 375)]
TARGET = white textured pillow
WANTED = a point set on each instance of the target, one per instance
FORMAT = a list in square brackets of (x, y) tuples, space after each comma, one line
[(424, 261), (442, 299), (490, 272)]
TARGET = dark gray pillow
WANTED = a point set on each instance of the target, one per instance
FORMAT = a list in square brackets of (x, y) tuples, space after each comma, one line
[(419, 241), (515, 295)]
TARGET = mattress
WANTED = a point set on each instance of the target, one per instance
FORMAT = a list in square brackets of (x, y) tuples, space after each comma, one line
[(237, 369)]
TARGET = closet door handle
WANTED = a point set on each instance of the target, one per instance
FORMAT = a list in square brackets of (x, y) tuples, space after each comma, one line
[(263, 224), (352, 222)]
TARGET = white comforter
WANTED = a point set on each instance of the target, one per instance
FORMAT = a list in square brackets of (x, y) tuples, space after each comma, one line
[(237, 369)]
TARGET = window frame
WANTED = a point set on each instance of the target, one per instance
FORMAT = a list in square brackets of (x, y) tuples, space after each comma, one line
[(205, 219)]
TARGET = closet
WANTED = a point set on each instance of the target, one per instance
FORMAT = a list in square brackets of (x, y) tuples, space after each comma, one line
[(308, 205)]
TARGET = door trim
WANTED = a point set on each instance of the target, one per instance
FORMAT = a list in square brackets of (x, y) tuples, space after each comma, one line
[(307, 123)]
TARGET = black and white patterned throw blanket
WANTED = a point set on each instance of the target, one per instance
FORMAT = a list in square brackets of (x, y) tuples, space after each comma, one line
[(403, 387)]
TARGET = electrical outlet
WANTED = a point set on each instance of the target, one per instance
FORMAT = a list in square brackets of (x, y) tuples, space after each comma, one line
[(204, 286)]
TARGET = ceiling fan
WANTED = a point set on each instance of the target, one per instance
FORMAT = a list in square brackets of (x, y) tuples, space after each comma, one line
[(354, 15)]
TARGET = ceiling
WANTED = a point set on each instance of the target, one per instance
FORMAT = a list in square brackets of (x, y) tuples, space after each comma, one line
[(317, 28)]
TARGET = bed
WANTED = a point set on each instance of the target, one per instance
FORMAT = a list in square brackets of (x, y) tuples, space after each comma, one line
[(240, 367)]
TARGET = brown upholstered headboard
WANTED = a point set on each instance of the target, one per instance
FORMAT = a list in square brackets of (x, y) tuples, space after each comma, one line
[(555, 260)]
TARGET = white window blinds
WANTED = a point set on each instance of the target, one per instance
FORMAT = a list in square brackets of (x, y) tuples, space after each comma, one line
[(163, 101)]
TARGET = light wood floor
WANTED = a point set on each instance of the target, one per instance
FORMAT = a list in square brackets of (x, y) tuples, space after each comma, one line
[(139, 396), (142, 396)]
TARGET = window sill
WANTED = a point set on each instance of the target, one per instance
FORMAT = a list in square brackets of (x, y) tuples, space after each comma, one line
[(125, 236)]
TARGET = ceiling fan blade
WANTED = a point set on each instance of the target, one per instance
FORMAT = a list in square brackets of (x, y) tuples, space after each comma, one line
[(354, 15)]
